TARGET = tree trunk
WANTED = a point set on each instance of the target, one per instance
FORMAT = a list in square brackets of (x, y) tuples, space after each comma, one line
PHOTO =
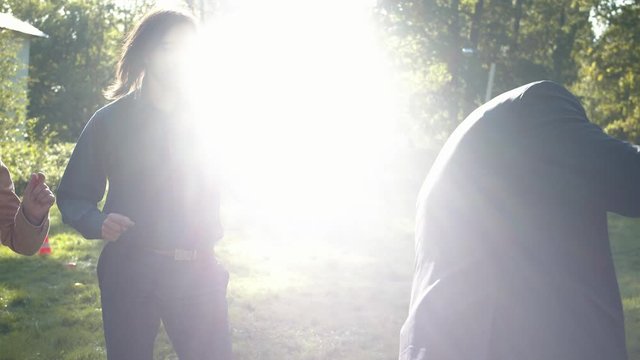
[(559, 48), (474, 40), (474, 36), (454, 61), (516, 26)]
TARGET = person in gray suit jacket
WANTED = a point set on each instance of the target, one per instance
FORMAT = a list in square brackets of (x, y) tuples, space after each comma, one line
[(513, 259)]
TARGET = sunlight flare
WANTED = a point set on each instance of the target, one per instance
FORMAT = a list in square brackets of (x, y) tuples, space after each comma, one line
[(296, 99)]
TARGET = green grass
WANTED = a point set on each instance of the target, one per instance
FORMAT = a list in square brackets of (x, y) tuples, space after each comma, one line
[(625, 234), (290, 297)]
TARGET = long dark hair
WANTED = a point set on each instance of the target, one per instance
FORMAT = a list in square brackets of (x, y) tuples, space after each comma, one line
[(140, 41)]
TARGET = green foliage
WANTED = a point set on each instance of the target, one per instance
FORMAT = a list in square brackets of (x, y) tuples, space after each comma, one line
[(13, 98), (528, 40), (70, 69), (610, 75), (24, 158), (19, 149)]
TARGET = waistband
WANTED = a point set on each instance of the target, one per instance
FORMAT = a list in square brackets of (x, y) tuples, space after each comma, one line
[(182, 254)]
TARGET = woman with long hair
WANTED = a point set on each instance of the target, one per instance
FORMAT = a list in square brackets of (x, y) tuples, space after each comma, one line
[(160, 220)]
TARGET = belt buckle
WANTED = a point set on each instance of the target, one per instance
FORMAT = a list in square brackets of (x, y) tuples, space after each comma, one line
[(184, 255)]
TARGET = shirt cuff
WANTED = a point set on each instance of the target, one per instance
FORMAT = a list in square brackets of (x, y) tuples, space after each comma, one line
[(26, 220), (90, 225)]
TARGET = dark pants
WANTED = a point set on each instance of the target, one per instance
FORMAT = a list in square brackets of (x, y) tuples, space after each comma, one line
[(139, 289)]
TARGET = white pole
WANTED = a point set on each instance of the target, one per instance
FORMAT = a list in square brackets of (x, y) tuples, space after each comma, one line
[(492, 74)]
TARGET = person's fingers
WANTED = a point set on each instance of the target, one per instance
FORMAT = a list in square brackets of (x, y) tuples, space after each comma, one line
[(50, 200), (122, 220), (45, 198), (38, 179), (33, 180), (112, 223), (112, 226), (109, 233), (41, 197), (38, 189), (106, 230), (115, 236)]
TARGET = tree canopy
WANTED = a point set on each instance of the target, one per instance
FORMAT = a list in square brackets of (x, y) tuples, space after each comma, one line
[(445, 49)]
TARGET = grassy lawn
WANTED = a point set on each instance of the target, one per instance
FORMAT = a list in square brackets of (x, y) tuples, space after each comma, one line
[(329, 297), (322, 298)]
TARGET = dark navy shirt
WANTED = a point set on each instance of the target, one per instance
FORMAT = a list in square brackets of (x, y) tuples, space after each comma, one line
[(156, 175)]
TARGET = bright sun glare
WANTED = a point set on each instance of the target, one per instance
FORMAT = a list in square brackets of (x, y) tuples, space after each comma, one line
[(297, 99)]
